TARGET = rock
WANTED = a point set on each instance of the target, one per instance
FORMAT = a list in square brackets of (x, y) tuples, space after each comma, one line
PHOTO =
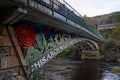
[(115, 69), (118, 60)]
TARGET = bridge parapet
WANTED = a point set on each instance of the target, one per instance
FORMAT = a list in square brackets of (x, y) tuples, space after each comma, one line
[(63, 11)]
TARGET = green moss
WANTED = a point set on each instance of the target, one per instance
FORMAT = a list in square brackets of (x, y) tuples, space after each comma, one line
[(115, 69), (118, 60)]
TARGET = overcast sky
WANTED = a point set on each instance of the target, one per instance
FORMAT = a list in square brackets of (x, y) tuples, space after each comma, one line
[(95, 7)]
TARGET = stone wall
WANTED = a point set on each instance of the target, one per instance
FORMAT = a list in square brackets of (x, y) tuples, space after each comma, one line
[(10, 68), (90, 54)]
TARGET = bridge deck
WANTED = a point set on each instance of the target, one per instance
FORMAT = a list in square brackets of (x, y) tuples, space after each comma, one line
[(52, 13)]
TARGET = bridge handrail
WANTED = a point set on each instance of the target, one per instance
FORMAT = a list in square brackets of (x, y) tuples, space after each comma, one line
[(62, 10)]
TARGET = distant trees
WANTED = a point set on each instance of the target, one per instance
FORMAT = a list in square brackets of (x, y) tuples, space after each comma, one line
[(115, 17), (106, 33), (116, 31), (109, 50), (111, 46), (116, 20), (108, 45)]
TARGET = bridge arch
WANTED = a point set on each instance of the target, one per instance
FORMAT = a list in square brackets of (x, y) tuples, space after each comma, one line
[(91, 44), (46, 43), (48, 56)]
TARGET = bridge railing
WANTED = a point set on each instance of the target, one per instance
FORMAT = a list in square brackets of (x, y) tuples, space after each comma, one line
[(62, 10)]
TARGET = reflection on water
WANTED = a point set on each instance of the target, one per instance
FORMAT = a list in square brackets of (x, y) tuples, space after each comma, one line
[(67, 69), (88, 70)]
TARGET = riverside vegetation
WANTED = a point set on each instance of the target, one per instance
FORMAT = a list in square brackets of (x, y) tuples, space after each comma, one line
[(110, 48)]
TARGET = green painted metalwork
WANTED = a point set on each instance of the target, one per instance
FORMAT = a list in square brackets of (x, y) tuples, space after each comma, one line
[(47, 56), (41, 46), (49, 42)]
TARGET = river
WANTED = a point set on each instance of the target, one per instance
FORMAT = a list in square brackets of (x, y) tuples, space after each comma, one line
[(68, 69)]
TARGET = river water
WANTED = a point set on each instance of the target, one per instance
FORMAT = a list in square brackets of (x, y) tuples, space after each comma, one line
[(67, 69)]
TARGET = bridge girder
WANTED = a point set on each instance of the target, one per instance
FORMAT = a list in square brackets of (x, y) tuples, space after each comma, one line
[(87, 45), (33, 12)]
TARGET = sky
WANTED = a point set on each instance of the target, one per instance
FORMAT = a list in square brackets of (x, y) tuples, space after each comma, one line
[(92, 8)]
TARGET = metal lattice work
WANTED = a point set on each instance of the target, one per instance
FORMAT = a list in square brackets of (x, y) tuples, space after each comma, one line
[(48, 43)]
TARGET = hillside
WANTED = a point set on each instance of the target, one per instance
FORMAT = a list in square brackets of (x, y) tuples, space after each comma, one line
[(104, 19), (113, 18)]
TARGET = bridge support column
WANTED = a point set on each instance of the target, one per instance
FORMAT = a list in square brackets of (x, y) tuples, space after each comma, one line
[(77, 54), (10, 67), (90, 54)]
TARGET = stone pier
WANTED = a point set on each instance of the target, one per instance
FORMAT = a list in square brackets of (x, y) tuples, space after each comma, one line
[(10, 65), (91, 54)]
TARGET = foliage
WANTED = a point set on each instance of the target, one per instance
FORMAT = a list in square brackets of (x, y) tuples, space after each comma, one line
[(90, 21), (110, 50), (115, 69), (116, 20), (115, 17), (66, 53), (117, 31), (109, 44), (69, 52), (106, 33)]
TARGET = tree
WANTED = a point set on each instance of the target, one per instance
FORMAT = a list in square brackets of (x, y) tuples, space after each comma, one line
[(116, 30), (109, 49), (109, 44)]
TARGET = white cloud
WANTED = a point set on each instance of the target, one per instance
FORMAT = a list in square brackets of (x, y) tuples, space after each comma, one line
[(95, 7)]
